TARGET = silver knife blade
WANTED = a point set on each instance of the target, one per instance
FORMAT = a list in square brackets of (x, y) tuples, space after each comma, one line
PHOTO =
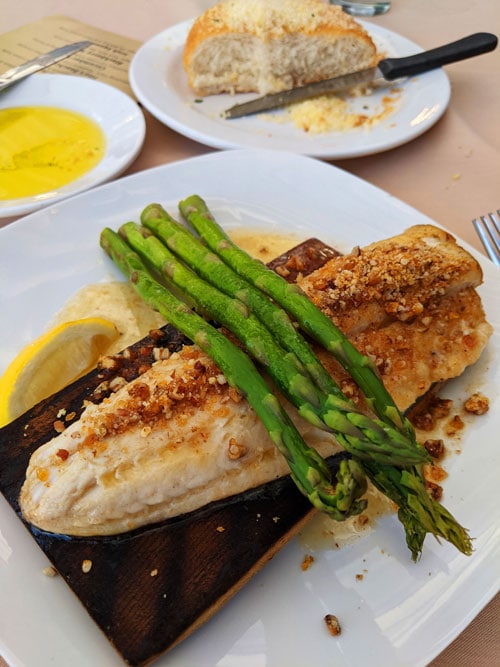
[(40, 62), (387, 70), (277, 100)]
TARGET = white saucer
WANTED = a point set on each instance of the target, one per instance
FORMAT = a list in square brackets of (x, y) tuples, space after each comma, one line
[(158, 80), (118, 115)]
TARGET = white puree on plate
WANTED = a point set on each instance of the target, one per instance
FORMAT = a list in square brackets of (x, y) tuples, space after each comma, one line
[(118, 302)]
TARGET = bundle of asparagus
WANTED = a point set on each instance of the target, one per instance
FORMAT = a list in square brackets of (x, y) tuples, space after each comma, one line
[(225, 284)]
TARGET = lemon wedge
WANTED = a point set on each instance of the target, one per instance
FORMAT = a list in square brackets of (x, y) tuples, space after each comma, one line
[(51, 362)]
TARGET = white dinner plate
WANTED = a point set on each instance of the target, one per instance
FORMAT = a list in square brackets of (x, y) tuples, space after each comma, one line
[(399, 612), (158, 80), (117, 114)]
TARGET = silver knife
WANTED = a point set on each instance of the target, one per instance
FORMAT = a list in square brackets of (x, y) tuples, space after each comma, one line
[(41, 62), (387, 70)]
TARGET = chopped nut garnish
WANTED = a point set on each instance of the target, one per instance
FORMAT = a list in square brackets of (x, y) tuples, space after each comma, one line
[(454, 425), (154, 572), (477, 404), (59, 426), (282, 271), (117, 383), (333, 625), (108, 363), (220, 529), (86, 565), (435, 490), (307, 562), (435, 447), (235, 450), (434, 473), (436, 409), (161, 353)]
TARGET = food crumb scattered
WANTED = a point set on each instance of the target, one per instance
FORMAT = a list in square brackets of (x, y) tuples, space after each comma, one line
[(220, 529), (360, 577), (86, 565), (59, 426), (333, 625), (435, 447), (455, 425), (154, 572), (49, 571), (434, 473), (477, 404), (307, 561)]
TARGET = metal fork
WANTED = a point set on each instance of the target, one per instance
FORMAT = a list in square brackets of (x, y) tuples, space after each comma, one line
[(488, 230)]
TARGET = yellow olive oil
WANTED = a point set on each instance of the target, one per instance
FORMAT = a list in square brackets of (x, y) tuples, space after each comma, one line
[(43, 148)]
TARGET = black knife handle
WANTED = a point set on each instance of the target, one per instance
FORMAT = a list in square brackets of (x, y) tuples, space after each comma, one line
[(473, 45)]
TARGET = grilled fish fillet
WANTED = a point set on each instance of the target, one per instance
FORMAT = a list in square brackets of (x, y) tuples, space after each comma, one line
[(171, 441), (178, 437), (409, 303)]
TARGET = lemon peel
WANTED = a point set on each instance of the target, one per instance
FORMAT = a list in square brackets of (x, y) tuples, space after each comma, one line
[(51, 362)]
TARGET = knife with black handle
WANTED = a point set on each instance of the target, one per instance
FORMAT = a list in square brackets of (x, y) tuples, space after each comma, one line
[(387, 70)]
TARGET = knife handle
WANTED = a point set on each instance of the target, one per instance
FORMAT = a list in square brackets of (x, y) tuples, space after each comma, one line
[(467, 47)]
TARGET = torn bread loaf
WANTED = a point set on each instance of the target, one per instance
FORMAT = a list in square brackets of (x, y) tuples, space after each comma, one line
[(266, 46), (178, 437)]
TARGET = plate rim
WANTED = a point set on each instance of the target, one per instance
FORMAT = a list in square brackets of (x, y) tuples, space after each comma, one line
[(216, 140), (54, 214)]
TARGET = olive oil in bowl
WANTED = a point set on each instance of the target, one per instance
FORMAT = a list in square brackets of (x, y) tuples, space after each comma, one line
[(43, 148)]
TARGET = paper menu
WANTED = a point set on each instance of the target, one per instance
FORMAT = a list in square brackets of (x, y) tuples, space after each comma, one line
[(107, 59)]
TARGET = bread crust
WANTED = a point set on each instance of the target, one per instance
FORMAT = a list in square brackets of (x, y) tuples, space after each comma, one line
[(269, 45)]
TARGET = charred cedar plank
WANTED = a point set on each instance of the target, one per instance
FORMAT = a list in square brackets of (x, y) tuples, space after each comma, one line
[(149, 589)]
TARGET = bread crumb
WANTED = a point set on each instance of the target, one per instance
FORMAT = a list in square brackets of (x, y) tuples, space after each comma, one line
[(49, 571)]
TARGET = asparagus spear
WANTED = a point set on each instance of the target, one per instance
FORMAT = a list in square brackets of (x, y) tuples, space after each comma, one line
[(294, 301), (418, 512), (308, 469), (210, 267), (356, 432)]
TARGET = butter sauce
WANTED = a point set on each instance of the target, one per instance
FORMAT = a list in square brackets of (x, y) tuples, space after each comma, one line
[(43, 148)]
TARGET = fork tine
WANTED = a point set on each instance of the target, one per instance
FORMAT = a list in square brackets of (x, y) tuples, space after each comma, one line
[(488, 230)]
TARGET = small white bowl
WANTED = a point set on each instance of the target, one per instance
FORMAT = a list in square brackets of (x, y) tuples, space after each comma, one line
[(118, 115)]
